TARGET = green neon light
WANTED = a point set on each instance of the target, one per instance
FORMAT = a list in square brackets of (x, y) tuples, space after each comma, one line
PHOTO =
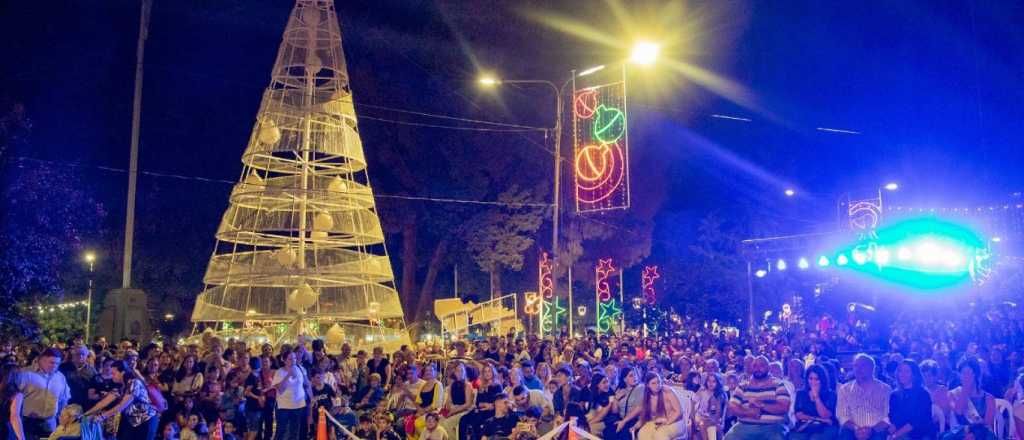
[(608, 314), (923, 253), (550, 314), (609, 124)]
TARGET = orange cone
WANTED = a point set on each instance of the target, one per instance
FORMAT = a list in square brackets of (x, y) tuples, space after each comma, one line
[(321, 426), (218, 431)]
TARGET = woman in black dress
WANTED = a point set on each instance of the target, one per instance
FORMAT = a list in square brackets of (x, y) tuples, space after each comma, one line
[(10, 401), (910, 405), (138, 417)]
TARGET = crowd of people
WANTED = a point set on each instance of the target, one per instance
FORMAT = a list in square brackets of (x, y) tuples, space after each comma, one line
[(929, 379)]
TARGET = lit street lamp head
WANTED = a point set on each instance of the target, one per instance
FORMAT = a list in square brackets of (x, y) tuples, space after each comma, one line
[(790, 193), (489, 81), (90, 257), (892, 186), (645, 53)]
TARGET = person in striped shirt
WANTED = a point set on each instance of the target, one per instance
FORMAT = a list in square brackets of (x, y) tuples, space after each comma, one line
[(760, 405)]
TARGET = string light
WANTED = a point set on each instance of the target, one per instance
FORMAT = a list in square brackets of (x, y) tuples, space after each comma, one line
[(608, 310), (41, 309)]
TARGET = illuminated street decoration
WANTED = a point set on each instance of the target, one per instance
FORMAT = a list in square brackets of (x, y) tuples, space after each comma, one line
[(922, 253), (546, 293), (300, 247), (647, 278), (532, 306), (585, 104), (601, 148), (608, 309), (864, 215), (552, 315)]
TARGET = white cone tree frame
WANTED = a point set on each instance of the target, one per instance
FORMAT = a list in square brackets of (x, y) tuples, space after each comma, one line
[(300, 247)]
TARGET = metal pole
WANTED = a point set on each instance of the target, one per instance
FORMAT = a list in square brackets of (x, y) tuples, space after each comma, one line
[(456, 280), (571, 310), (133, 164), (556, 207), (88, 306), (622, 301), (750, 300)]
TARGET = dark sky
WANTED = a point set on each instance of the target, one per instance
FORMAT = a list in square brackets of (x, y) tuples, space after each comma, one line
[(932, 88)]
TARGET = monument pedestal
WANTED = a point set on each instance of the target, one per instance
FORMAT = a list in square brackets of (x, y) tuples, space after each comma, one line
[(125, 315)]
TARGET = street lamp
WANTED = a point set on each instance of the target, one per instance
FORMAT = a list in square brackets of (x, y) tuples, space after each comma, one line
[(90, 258), (892, 186), (645, 53)]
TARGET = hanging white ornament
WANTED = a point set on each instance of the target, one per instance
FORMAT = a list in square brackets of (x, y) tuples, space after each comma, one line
[(285, 256), (337, 185), (269, 133), (335, 335), (323, 222), (302, 298)]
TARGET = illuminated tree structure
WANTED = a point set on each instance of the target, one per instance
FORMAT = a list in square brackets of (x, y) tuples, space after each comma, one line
[(300, 249)]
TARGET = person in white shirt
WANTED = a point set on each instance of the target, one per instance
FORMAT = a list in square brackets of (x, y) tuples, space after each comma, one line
[(292, 386), (863, 403)]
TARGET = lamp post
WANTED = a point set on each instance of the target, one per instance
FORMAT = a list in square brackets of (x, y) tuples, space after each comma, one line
[(90, 258), (643, 53)]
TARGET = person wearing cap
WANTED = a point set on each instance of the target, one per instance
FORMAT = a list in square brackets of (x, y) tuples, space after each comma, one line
[(46, 393)]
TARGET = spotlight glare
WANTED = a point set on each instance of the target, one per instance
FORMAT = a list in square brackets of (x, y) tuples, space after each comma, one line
[(790, 192), (882, 256), (951, 258), (842, 260), (823, 261), (892, 186), (859, 257), (997, 239), (802, 264), (781, 264), (904, 254), (761, 273)]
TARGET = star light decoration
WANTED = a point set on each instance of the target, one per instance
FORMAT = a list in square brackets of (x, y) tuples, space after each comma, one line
[(647, 278), (608, 310), (551, 315)]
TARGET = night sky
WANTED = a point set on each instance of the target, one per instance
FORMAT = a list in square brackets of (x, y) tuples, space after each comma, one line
[(932, 88)]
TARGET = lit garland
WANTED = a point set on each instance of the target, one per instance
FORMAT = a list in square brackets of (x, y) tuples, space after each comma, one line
[(608, 309), (601, 160), (546, 293), (647, 282), (42, 309)]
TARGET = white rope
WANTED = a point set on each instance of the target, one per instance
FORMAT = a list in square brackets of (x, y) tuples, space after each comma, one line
[(339, 425)]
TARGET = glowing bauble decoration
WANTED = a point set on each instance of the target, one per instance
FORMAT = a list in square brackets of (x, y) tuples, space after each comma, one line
[(269, 133), (585, 104), (335, 335), (337, 185), (313, 65), (254, 179), (609, 124), (600, 170), (323, 222), (286, 257), (302, 298)]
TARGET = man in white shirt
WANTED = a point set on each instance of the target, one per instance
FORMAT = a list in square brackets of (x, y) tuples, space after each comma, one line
[(292, 386), (46, 393), (863, 403)]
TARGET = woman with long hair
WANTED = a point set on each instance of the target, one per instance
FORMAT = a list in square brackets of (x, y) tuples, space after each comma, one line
[(629, 396), (661, 414), (604, 410), (458, 401), (138, 417), (189, 380), (429, 399), (910, 405), (815, 407), (544, 372), (11, 400), (710, 412), (489, 389)]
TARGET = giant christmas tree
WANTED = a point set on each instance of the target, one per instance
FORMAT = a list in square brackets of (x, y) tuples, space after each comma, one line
[(300, 249)]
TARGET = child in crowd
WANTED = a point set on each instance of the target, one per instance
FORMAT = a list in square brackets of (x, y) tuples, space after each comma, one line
[(170, 432), (69, 423), (432, 430), (365, 429), (386, 429)]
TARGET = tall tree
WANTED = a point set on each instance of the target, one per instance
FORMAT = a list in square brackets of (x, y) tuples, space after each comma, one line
[(498, 237)]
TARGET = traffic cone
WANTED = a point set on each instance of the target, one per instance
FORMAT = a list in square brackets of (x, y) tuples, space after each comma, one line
[(321, 426), (572, 428)]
